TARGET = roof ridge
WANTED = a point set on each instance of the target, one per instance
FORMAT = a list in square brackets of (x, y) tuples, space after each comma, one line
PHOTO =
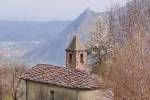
[(62, 67)]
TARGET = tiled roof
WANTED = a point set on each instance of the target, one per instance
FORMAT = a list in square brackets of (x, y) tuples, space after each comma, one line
[(61, 76), (76, 44)]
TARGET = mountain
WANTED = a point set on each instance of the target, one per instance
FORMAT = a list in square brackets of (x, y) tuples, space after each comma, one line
[(19, 37), (81, 25), (53, 50), (30, 31)]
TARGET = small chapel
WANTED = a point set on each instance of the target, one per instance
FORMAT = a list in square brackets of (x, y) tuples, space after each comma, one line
[(72, 82)]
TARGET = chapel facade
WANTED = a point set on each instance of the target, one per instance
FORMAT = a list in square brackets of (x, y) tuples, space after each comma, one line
[(52, 82)]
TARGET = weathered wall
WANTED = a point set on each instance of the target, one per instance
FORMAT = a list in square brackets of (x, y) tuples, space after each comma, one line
[(93, 95), (37, 91)]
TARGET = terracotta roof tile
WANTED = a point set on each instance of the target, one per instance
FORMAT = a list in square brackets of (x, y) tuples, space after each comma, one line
[(62, 76)]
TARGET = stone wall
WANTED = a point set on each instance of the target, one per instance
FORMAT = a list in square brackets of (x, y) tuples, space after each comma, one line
[(38, 91), (94, 95), (76, 59)]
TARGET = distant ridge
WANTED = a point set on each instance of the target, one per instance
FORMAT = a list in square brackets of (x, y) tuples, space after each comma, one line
[(53, 51), (30, 30)]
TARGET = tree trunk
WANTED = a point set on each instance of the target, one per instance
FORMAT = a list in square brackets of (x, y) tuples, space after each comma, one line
[(0, 97), (0, 93), (15, 96)]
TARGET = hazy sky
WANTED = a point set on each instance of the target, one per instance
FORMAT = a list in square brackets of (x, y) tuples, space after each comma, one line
[(46, 10)]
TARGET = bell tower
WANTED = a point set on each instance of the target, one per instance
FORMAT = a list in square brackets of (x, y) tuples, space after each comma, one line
[(76, 54)]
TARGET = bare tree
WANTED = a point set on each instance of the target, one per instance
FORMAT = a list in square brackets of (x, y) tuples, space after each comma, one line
[(16, 71), (100, 46), (99, 41), (130, 66), (128, 30), (130, 72), (10, 73), (3, 81)]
